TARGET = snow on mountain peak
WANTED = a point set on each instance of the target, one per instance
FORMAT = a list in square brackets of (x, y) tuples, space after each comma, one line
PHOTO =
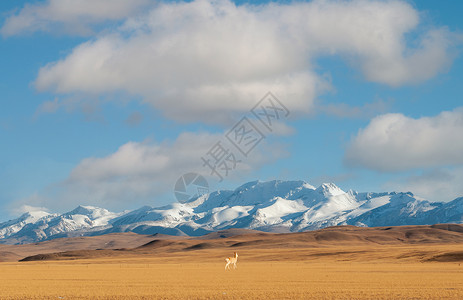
[(11, 227), (33, 216), (90, 211), (269, 206), (329, 189), (308, 186)]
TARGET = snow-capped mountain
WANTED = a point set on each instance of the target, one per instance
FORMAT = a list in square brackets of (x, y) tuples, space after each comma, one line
[(9, 228), (277, 206), (39, 225)]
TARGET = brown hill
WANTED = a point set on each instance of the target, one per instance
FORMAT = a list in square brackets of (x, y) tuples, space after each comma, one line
[(107, 241), (310, 245), (231, 232)]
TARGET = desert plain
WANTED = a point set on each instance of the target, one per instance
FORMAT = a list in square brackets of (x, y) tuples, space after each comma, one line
[(405, 262)]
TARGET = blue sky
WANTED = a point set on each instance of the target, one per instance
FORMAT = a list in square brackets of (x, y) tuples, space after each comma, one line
[(108, 107)]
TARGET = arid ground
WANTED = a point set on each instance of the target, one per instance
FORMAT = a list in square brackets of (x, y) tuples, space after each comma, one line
[(408, 262)]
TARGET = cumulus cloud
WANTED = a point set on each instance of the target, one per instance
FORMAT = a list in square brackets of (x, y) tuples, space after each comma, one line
[(442, 184), (28, 208), (206, 60), (34, 202), (145, 173), (394, 142), (69, 16)]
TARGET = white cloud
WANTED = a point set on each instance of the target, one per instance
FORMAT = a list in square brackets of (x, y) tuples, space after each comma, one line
[(69, 16), (395, 142), (137, 171), (48, 107), (145, 173), (443, 184), (206, 60), (34, 202), (28, 208), (431, 57)]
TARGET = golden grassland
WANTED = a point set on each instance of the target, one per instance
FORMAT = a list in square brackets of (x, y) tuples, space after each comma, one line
[(350, 272)]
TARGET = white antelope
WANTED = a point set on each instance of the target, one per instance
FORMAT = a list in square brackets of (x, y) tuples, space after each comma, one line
[(231, 260)]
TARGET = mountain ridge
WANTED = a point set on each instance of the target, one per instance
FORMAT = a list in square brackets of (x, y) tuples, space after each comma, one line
[(271, 206)]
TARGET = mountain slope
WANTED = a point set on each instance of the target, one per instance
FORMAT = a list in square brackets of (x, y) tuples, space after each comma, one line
[(41, 225), (273, 206)]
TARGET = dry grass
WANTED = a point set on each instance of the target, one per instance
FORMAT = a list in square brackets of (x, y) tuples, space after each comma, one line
[(360, 272)]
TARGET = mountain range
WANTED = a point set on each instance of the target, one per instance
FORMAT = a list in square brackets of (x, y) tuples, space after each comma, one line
[(272, 206)]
